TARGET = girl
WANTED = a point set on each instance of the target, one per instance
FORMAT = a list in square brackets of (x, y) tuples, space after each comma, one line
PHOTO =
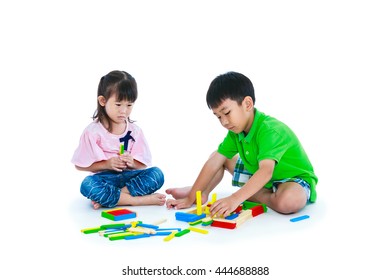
[(115, 150)]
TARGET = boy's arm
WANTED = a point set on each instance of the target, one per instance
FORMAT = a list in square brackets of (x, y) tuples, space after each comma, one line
[(261, 177), (202, 182)]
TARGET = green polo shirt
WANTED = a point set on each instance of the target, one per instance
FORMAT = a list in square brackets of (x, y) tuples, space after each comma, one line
[(269, 138)]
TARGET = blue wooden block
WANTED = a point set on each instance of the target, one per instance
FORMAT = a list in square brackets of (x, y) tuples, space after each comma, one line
[(300, 218), (232, 216), (128, 237), (148, 226), (164, 232), (188, 217)]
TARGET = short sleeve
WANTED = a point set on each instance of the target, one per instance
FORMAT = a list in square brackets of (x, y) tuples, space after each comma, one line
[(140, 150), (89, 150), (228, 147)]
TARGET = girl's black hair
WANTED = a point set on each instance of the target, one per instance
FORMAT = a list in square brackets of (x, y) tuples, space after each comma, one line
[(116, 82), (231, 85)]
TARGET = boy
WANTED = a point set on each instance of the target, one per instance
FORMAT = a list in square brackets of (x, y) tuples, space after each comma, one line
[(264, 156)]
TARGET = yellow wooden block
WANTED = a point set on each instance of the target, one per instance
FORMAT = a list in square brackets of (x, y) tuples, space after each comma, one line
[(172, 235), (198, 230), (198, 203)]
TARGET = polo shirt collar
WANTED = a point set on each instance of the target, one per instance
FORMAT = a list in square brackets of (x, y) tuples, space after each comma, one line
[(257, 120)]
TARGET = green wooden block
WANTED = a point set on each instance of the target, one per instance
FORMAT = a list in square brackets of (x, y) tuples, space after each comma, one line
[(182, 232)]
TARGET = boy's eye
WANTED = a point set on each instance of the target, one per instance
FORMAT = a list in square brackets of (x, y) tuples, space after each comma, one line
[(227, 113)]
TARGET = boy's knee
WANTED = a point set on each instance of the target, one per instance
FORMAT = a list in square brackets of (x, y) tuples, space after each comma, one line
[(287, 204)]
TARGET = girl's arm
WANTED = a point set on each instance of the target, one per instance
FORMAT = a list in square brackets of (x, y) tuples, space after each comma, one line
[(114, 163)]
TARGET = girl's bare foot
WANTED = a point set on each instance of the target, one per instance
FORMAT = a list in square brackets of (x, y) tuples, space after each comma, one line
[(150, 199), (95, 205), (179, 193)]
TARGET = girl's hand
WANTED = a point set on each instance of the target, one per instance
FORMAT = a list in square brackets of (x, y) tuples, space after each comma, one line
[(128, 160), (116, 164)]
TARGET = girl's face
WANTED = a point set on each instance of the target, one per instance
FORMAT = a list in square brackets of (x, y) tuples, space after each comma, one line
[(233, 116), (118, 111)]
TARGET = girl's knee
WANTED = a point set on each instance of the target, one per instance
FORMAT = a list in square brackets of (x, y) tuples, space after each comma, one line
[(158, 175), (86, 186)]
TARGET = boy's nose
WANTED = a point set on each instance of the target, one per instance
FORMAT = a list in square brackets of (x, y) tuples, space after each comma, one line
[(225, 122)]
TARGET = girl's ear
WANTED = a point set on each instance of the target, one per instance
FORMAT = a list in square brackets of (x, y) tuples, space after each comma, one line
[(101, 100), (248, 103)]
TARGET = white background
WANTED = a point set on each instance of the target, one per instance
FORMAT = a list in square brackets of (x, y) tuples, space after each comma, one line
[(321, 67)]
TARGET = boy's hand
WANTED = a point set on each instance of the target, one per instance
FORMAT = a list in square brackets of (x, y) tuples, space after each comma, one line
[(224, 207), (178, 203)]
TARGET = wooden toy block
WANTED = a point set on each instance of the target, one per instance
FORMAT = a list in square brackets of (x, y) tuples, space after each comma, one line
[(300, 218), (108, 233), (164, 232), (238, 209), (198, 230), (249, 204), (198, 203), (159, 222), (148, 226), (257, 210), (111, 226), (142, 230), (188, 217), (213, 198), (195, 223), (223, 224), (118, 214), (91, 230), (169, 237), (182, 232), (129, 237), (244, 216), (232, 216), (163, 229), (118, 236)]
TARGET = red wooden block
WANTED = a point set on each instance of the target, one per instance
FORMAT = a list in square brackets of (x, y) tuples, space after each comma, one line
[(119, 212), (257, 210), (223, 224)]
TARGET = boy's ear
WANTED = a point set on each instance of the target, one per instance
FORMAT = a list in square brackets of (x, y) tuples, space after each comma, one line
[(101, 100), (248, 103)]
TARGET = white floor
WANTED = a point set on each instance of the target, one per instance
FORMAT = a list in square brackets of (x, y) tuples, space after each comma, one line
[(263, 226)]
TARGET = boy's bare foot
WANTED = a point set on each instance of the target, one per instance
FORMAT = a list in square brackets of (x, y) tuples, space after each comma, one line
[(95, 205), (178, 193)]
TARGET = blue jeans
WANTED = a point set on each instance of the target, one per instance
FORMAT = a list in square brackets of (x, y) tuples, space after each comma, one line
[(105, 187)]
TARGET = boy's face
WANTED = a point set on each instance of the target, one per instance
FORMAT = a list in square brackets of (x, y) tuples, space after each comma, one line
[(234, 116)]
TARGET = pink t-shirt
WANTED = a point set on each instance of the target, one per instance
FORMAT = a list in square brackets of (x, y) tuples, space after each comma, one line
[(97, 144)]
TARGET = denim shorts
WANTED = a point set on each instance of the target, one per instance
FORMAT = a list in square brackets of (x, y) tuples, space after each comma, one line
[(241, 176)]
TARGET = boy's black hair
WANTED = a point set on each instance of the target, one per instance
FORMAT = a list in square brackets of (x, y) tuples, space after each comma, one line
[(231, 85), (116, 82)]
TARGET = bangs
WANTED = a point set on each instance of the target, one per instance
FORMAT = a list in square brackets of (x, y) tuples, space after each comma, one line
[(125, 90)]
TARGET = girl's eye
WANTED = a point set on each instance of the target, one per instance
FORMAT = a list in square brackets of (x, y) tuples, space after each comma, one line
[(227, 113)]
